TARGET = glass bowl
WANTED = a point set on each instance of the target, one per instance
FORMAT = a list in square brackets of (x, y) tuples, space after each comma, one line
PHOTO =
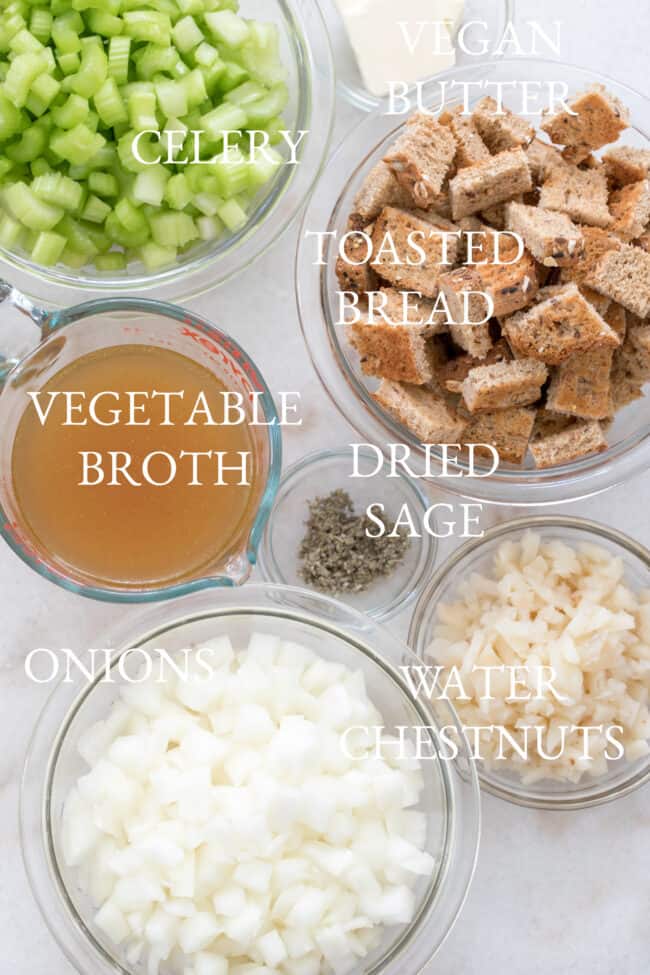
[(450, 798), (306, 54), (338, 366), (476, 556), (494, 16), (320, 473)]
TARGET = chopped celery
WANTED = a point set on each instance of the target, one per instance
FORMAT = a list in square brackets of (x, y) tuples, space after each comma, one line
[(48, 248), (233, 215), (103, 184), (90, 93), (95, 210), (59, 190), (187, 34), (29, 210)]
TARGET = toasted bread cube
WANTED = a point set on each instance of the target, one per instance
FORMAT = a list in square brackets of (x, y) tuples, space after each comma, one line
[(548, 423), (616, 318), (630, 208), (396, 226), (354, 271), (509, 286), (581, 386), (503, 385), (464, 286), (643, 242), (625, 165), (494, 181), (552, 238), (470, 148), (422, 158), (596, 119), (542, 158), (452, 373), (624, 276), (501, 129), (426, 413), (633, 358), (508, 431), (398, 352), (561, 325), (411, 308), (578, 440), (595, 243), (379, 189), (495, 216), (580, 193)]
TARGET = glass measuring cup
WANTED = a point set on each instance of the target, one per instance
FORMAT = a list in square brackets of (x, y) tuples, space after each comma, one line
[(68, 334)]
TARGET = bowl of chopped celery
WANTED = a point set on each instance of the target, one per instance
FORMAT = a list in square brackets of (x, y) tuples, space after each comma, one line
[(155, 144)]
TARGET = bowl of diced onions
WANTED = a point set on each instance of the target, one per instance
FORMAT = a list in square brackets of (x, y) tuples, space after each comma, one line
[(557, 611), (251, 807), (155, 145)]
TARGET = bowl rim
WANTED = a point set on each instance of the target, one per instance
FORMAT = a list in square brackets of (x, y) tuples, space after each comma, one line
[(63, 920), (509, 486), (273, 214), (427, 544), (591, 794)]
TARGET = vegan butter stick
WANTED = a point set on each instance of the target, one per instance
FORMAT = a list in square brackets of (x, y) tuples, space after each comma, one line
[(405, 41)]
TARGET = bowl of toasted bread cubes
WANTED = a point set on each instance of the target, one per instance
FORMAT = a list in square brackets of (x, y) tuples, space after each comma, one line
[(484, 281)]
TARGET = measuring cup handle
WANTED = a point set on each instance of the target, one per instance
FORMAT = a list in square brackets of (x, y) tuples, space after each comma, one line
[(22, 303)]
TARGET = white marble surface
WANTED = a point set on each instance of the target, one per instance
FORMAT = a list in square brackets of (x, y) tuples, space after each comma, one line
[(554, 894)]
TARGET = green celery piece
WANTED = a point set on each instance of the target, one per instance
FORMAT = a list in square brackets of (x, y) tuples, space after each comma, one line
[(155, 256), (233, 215), (93, 71), (178, 193), (227, 27), (75, 110), (40, 24), (11, 231), (118, 59), (29, 147), (187, 34), (172, 98), (264, 109), (69, 63), (232, 76), (23, 71), (59, 190), (10, 118), (224, 118), (29, 210), (149, 186), (108, 102), (77, 145), (48, 248), (111, 261), (95, 210), (173, 229), (147, 25), (106, 24), (103, 184)]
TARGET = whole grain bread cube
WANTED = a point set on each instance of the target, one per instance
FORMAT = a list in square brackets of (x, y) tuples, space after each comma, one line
[(578, 440), (474, 339), (633, 358), (379, 189), (427, 414), (581, 386), (500, 128), (398, 352), (508, 431), (504, 385), (410, 308), (394, 227), (561, 325), (548, 423), (452, 373), (496, 180), (616, 317), (542, 157), (630, 208), (625, 164), (580, 193), (510, 285), (353, 269), (463, 291), (495, 216), (552, 238), (470, 148), (595, 243), (595, 119), (624, 276), (422, 158)]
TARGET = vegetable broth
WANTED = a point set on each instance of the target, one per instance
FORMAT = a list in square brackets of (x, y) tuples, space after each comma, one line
[(115, 533)]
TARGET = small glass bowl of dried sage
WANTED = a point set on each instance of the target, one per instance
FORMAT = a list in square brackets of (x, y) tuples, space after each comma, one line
[(348, 536)]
